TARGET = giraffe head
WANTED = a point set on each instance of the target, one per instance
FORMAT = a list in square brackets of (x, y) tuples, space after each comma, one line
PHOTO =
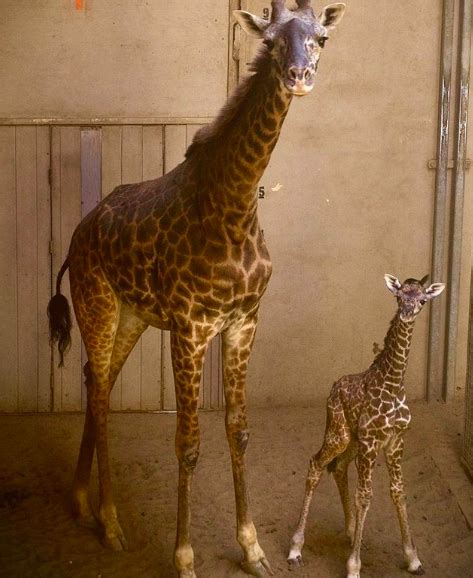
[(294, 38), (412, 295)]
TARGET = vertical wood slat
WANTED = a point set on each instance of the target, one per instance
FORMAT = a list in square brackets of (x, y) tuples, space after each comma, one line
[(66, 214), (175, 140), (43, 163), (151, 339), (91, 192), (24, 269), (111, 178), (8, 273), (132, 172), (27, 267)]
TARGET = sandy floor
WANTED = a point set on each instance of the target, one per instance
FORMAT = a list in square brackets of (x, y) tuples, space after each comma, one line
[(39, 539)]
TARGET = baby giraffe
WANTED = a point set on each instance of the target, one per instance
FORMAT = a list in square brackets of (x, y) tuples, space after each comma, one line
[(367, 412)]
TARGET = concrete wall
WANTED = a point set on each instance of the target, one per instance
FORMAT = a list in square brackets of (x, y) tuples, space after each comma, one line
[(115, 58), (356, 202)]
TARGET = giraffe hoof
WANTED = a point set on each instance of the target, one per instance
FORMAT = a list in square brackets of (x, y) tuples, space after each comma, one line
[(417, 571), (115, 541), (259, 569), (295, 562)]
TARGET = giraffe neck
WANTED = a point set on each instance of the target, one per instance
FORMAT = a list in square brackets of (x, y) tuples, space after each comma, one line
[(392, 361), (232, 153)]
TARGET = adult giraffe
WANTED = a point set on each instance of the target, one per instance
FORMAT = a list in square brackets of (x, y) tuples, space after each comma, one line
[(185, 253)]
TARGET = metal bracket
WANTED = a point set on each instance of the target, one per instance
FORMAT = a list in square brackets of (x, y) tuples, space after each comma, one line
[(236, 42), (432, 164)]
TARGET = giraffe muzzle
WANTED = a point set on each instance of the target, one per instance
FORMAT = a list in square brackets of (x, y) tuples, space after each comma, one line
[(300, 80)]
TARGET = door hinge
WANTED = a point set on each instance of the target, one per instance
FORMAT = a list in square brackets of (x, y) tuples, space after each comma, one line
[(432, 164), (236, 50)]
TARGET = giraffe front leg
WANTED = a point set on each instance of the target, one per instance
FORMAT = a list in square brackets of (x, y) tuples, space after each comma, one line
[(364, 492), (187, 362), (236, 348), (393, 453)]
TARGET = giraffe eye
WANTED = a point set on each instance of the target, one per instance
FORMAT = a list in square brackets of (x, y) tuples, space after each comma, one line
[(423, 301), (321, 41)]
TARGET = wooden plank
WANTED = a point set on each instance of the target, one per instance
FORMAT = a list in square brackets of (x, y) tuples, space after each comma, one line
[(91, 192), (153, 152), (43, 162), (216, 381), (151, 340), (111, 158), (168, 395), (66, 195), (111, 178), (8, 273), (115, 121), (175, 143), (132, 172), (91, 169), (27, 267)]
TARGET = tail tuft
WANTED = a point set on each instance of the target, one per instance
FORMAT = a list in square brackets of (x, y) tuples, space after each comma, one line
[(60, 324)]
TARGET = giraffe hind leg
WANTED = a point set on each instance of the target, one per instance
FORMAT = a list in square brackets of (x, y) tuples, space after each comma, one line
[(128, 332), (339, 468), (336, 440), (101, 372), (81, 508)]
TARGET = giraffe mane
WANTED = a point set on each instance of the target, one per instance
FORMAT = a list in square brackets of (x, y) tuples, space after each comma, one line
[(260, 65), (386, 339)]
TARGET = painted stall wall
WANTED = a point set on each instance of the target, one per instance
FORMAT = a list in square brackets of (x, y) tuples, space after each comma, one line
[(114, 58), (349, 197)]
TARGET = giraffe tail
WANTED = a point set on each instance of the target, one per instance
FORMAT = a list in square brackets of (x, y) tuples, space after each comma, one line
[(60, 321)]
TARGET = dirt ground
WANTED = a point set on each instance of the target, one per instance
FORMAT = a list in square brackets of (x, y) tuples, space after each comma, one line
[(38, 538)]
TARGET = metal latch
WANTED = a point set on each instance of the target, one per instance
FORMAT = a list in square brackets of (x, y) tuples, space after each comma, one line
[(432, 164)]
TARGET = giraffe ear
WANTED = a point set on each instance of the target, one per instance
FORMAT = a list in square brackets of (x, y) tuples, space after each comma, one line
[(251, 24), (434, 290), (392, 283), (332, 15)]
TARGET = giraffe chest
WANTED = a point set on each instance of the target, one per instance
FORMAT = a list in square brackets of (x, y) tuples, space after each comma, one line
[(384, 415)]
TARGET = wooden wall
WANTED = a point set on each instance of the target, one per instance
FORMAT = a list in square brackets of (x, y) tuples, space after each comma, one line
[(50, 179), (25, 268)]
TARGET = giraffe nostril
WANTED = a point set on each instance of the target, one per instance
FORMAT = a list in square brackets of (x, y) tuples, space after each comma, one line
[(307, 74), (292, 73)]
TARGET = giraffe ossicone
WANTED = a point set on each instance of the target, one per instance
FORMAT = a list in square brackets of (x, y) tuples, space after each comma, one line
[(367, 412), (185, 253)]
